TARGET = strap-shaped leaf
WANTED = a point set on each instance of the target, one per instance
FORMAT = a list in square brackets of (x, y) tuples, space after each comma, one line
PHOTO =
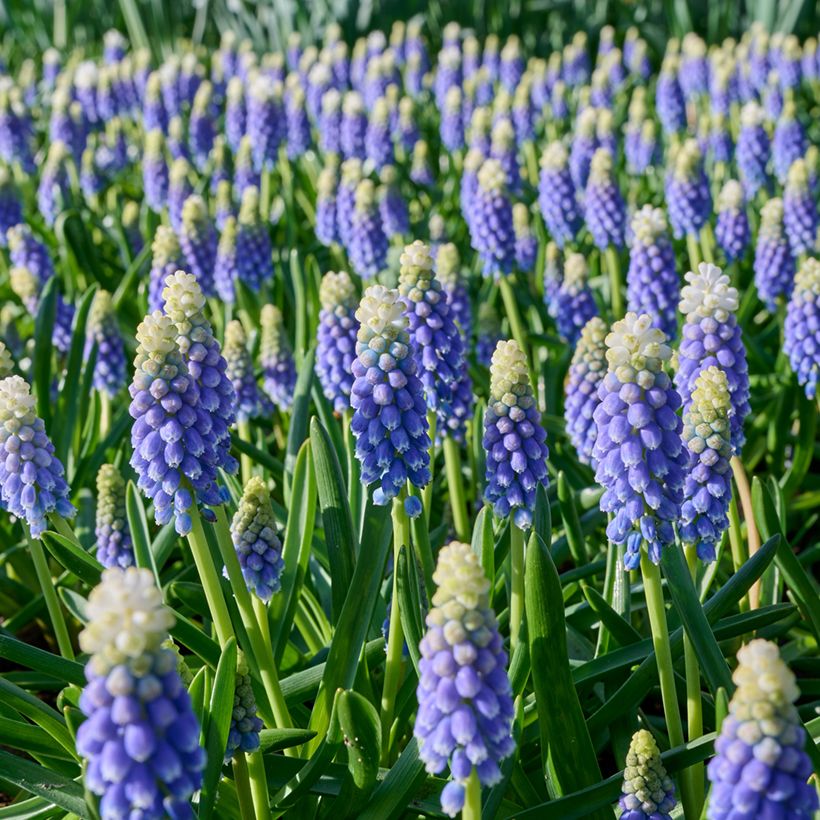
[(58, 789)]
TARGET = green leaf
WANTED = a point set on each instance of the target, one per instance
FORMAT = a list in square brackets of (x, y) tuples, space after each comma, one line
[(219, 724), (35, 779), (275, 740), (568, 755), (410, 608), (620, 629), (29, 738), (686, 601), (483, 541), (43, 330), (140, 534), (186, 633), (360, 725), (31, 657), (337, 522), (299, 417), (804, 589), (74, 603), (572, 524), (35, 710), (73, 558), (402, 782)]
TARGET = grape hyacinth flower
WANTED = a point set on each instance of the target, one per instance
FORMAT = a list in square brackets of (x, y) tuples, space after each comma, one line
[(201, 133), (240, 371), (732, 228), (586, 372), (711, 336), (276, 358), (353, 126), (526, 243), (392, 205), (652, 284), (198, 240), (488, 333), (420, 170), (774, 263), (32, 483), (789, 142), (337, 333), (434, 338), (514, 439), (604, 207), (179, 190), (177, 146), (464, 694), (266, 121), (114, 546), (245, 174), (102, 329), (752, 150), (760, 766), (503, 149), (140, 737), (584, 145), (27, 251), (687, 191), (155, 171), (390, 413), (330, 122), (368, 243), (669, 100), (490, 222), (448, 272), (452, 125), (802, 328), (166, 259), (11, 209), (800, 210), (296, 119), (721, 148), (377, 141), (326, 227), (573, 304), (131, 227), (638, 449), (351, 176), (235, 113), (258, 548), (226, 266), (556, 195), (648, 792), (243, 734), (52, 192), (253, 246)]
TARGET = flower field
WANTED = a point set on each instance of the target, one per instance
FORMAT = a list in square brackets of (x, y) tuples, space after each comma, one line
[(400, 419)]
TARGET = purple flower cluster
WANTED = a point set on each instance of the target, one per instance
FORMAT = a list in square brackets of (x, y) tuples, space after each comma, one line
[(732, 228), (166, 259), (102, 329), (572, 304), (774, 264), (800, 215), (337, 332), (198, 241), (604, 207), (687, 191), (556, 195), (648, 793), (752, 150), (243, 735), (802, 328), (368, 243), (114, 546), (249, 402), (490, 220), (276, 358)]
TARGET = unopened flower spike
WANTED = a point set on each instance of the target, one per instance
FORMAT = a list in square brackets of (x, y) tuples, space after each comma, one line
[(368, 243), (802, 328), (102, 329), (390, 413), (732, 229), (198, 241), (140, 739), (337, 332), (572, 304), (604, 207), (166, 259), (687, 191), (240, 370), (800, 217), (114, 545), (638, 449), (465, 711), (761, 768), (556, 195), (243, 734), (276, 358), (490, 220), (774, 265), (648, 792), (32, 483), (514, 439), (711, 336)]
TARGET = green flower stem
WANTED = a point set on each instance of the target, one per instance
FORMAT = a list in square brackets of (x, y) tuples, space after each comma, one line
[(707, 242), (694, 251), (265, 194), (210, 579), (62, 527), (458, 502), (259, 785), (243, 787), (395, 635), (694, 704), (472, 798), (666, 673), (243, 427), (752, 535), (613, 265), (516, 583), (427, 493), (55, 612), (516, 325), (260, 648), (105, 414), (354, 483)]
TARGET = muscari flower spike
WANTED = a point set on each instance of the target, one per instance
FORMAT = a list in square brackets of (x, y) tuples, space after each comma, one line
[(789, 142), (276, 358), (434, 337), (732, 228), (711, 336), (752, 150), (102, 329), (526, 243), (648, 792), (760, 766), (11, 209), (687, 191), (448, 272), (572, 304), (586, 372), (351, 176), (114, 545), (353, 126), (488, 333), (140, 737), (198, 241), (32, 483), (179, 190), (800, 216), (490, 221), (604, 207), (652, 284), (514, 439), (266, 122), (258, 548), (368, 243), (27, 251), (240, 371), (464, 694), (707, 489), (166, 259), (556, 195), (584, 144), (638, 448), (774, 264), (243, 734), (802, 327), (377, 141), (253, 246), (337, 333), (669, 100), (393, 209), (326, 186), (390, 413)]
